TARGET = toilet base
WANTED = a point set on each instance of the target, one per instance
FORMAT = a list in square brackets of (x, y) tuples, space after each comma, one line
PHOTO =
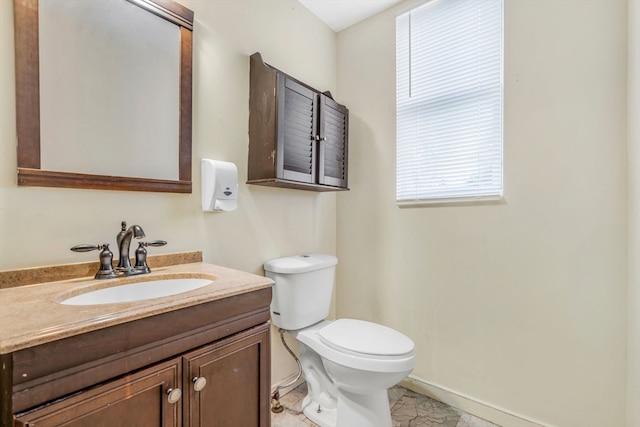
[(323, 417), (362, 410)]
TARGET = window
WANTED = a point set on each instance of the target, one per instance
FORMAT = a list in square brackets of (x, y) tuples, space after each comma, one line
[(449, 102)]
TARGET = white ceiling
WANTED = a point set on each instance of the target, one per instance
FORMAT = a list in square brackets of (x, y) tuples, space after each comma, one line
[(340, 14)]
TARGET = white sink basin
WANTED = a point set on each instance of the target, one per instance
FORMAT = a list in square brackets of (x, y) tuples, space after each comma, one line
[(137, 291)]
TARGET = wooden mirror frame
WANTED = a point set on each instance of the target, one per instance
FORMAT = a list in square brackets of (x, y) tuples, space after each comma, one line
[(27, 70)]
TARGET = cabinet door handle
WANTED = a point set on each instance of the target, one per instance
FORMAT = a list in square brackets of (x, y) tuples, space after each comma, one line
[(319, 138), (173, 395), (199, 383)]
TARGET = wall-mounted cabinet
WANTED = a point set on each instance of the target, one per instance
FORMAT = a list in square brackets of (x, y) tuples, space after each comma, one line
[(298, 136)]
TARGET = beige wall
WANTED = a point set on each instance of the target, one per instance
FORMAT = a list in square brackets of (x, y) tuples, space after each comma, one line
[(517, 310), (633, 158), (39, 225)]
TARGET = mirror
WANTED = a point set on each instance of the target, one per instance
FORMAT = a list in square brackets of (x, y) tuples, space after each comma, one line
[(103, 94)]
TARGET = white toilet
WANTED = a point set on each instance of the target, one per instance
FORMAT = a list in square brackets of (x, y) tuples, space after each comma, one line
[(348, 364)]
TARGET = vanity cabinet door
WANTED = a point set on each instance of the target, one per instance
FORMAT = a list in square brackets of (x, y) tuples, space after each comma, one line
[(236, 372), (139, 399)]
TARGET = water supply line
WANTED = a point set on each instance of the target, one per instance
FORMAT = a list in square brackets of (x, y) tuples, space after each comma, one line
[(276, 407)]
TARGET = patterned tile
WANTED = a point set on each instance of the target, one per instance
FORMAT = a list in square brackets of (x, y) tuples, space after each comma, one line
[(468, 420), (415, 410), (395, 394), (292, 415), (408, 409)]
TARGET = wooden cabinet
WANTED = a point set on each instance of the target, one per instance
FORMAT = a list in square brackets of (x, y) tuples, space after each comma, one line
[(206, 365), (234, 372), (298, 137), (140, 399)]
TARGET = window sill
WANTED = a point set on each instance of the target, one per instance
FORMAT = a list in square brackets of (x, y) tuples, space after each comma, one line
[(453, 201)]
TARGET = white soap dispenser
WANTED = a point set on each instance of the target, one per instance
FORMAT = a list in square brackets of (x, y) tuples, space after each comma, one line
[(219, 186)]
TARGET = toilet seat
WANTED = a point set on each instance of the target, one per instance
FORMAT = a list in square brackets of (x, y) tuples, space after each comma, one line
[(365, 338), (333, 345)]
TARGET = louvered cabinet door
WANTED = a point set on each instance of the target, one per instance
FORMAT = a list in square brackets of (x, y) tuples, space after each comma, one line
[(297, 113), (333, 143)]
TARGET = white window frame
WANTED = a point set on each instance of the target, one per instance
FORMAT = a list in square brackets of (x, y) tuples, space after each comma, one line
[(433, 163)]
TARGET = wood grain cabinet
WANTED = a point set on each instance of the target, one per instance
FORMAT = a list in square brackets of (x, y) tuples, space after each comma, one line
[(225, 382), (201, 366), (146, 398), (298, 136)]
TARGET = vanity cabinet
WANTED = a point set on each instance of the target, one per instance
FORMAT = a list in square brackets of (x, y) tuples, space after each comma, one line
[(205, 365), (298, 136), (136, 400), (234, 372)]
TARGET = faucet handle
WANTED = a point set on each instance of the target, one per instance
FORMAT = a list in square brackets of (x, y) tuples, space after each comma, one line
[(86, 248), (154, 243), (141, 254), (106, 259)]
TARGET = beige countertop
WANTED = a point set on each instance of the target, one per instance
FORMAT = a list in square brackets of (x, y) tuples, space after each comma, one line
[(32, 315)]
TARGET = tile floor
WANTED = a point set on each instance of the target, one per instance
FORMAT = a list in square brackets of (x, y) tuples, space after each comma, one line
[(408, 409)]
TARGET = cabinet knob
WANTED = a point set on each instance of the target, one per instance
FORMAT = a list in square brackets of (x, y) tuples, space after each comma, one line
[(199, 383), (173, 395), (319, 138)]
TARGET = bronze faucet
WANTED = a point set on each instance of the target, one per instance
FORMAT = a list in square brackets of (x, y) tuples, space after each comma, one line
[(123, 240)]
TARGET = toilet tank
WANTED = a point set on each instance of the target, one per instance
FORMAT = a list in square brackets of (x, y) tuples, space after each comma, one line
[(302, 292)]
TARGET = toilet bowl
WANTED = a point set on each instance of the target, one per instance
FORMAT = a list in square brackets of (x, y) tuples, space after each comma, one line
[(348, 364), (361, 360)]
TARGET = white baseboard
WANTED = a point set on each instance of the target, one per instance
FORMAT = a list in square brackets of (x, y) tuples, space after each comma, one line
[(469, 404)]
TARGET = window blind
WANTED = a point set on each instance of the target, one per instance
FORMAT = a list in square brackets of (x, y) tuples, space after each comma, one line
[(449, 101)]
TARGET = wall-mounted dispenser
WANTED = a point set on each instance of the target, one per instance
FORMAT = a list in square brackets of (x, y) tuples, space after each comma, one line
[(219, 186)]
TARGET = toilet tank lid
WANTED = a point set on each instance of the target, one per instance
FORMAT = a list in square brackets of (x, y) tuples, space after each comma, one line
[(300, 263)]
